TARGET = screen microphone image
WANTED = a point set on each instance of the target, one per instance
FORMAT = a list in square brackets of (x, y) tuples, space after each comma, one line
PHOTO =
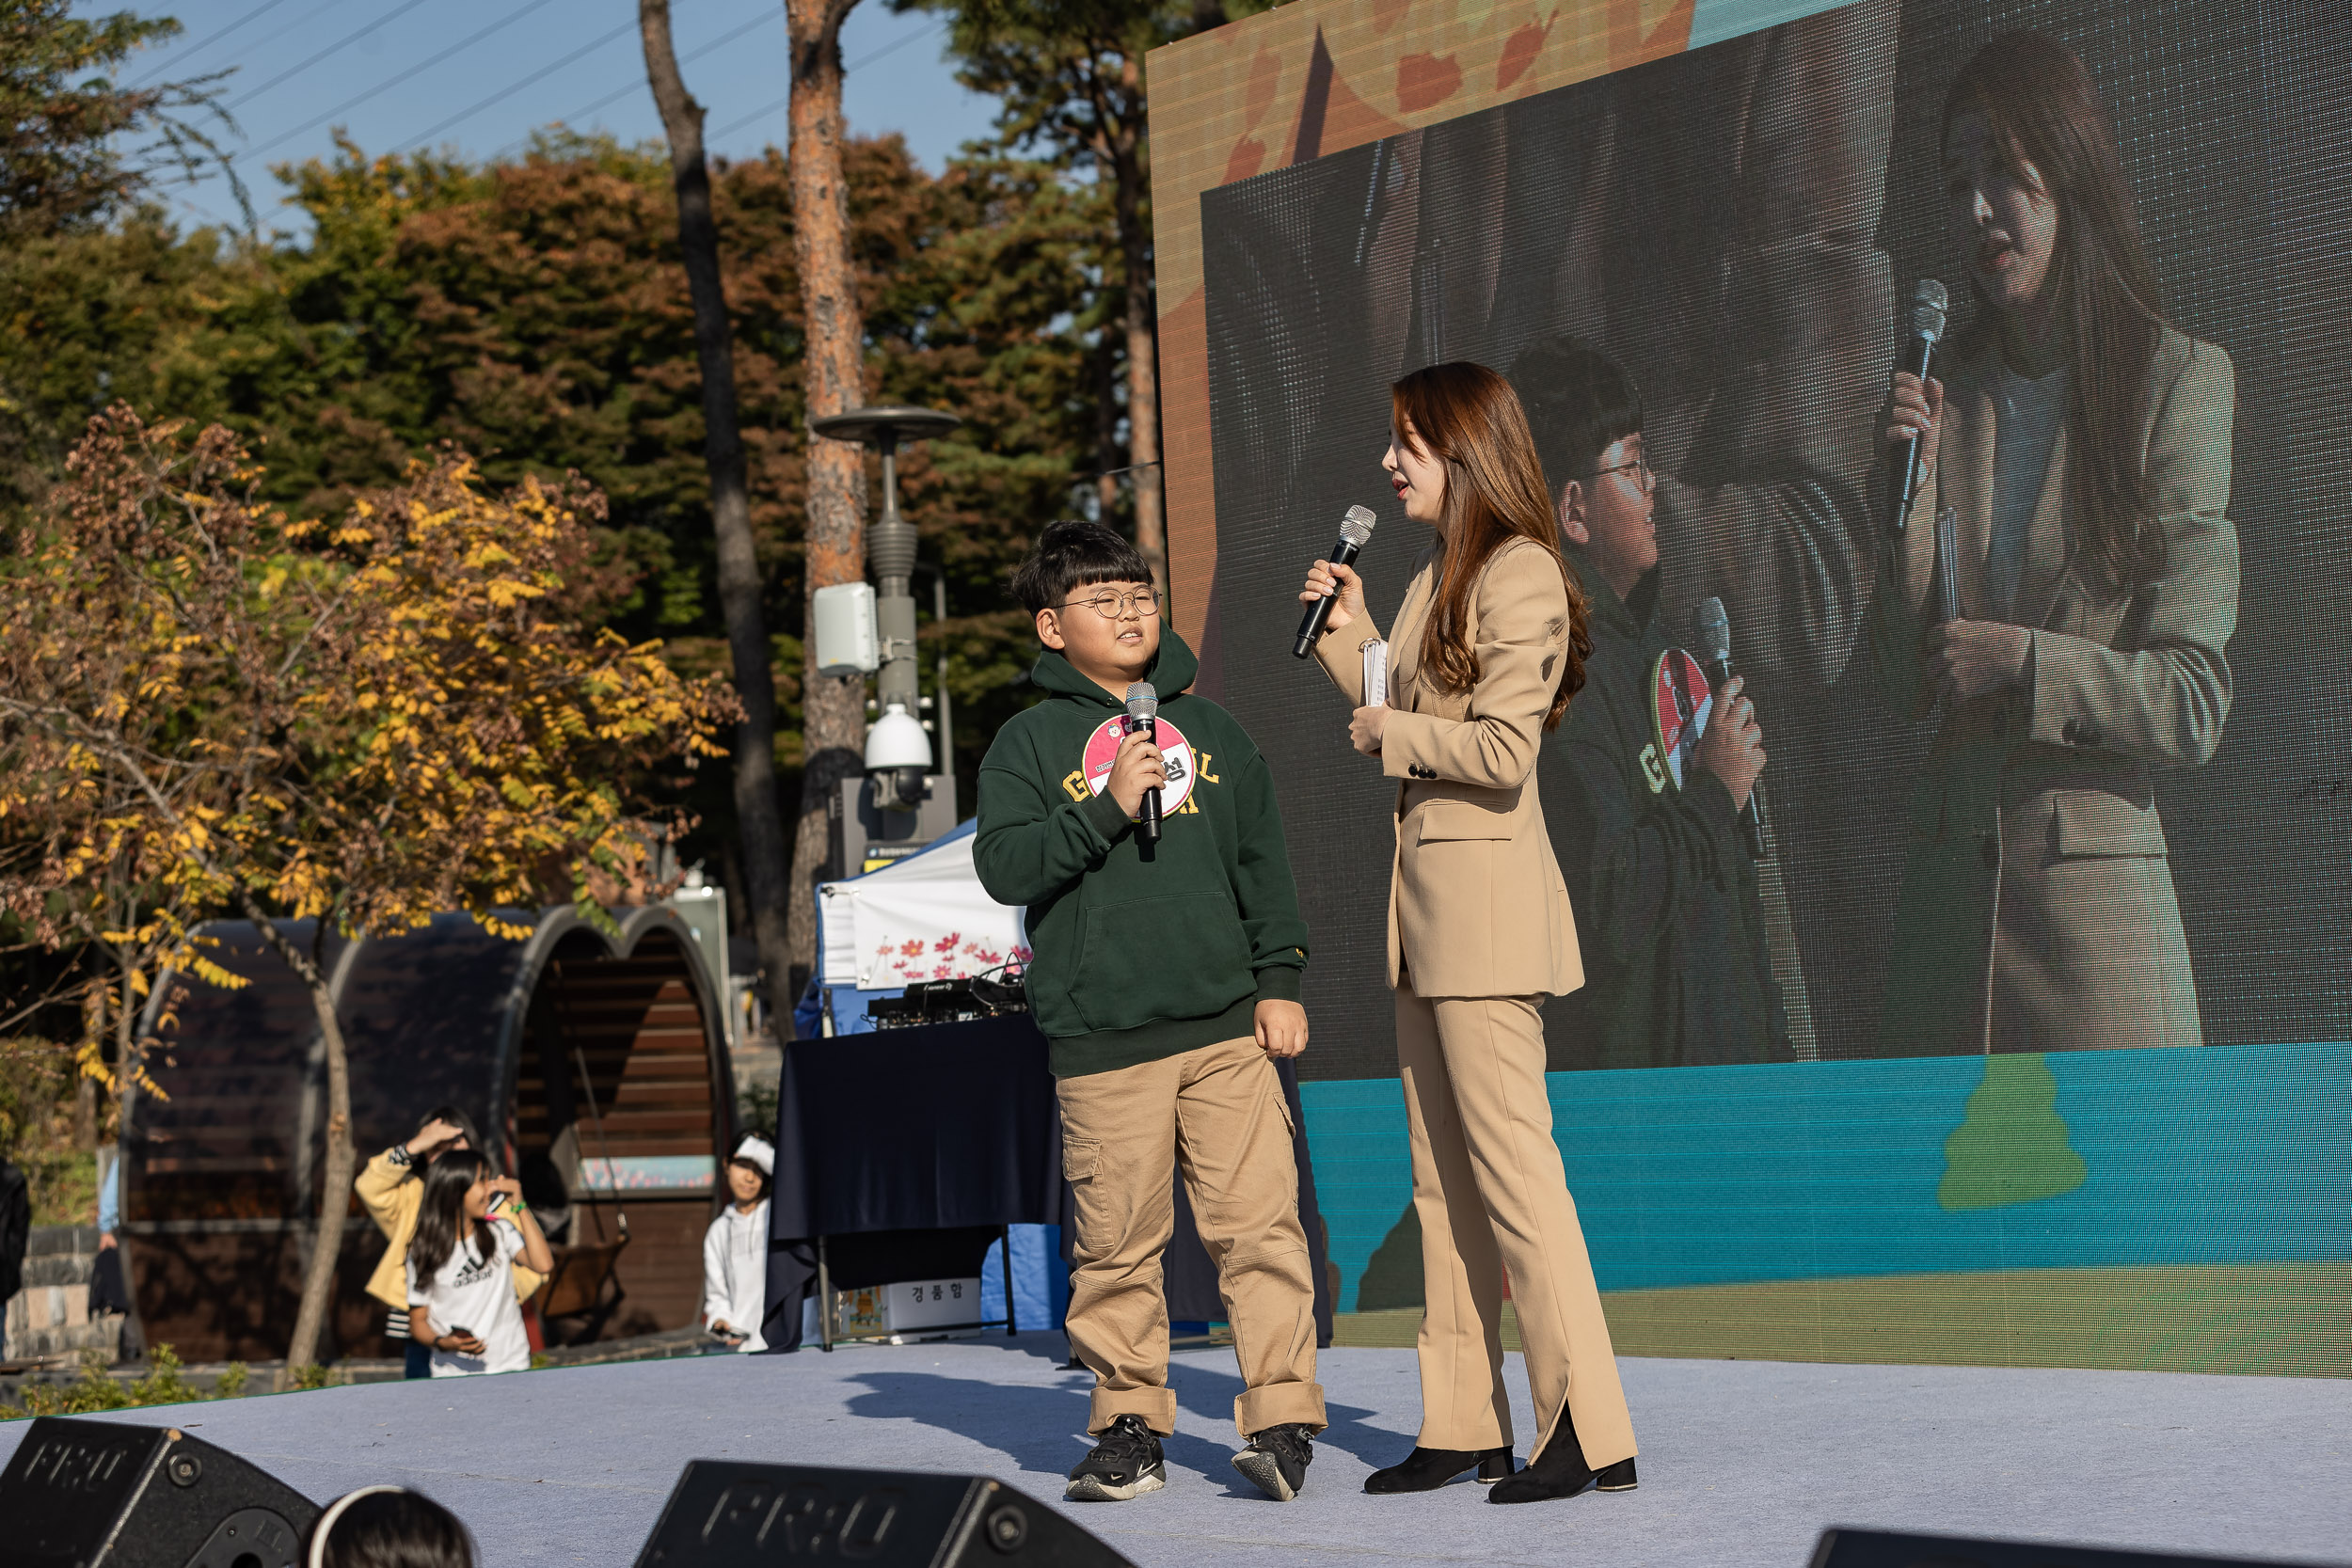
[(1945, 591), (1143, 702), (1928, 302), (1355, 531), (1714, 636)]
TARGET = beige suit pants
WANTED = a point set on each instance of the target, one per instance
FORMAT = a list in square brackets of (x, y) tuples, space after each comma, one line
[(1491, 1194), (1219, 1113)]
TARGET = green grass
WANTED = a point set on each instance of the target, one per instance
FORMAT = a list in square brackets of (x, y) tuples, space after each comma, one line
[(2272, 1319)]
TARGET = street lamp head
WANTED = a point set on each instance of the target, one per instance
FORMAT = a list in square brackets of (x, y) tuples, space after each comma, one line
[(890, 542), (889, 426)]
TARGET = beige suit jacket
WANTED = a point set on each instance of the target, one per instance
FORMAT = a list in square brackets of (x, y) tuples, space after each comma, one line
[(2038, 909), (1477, 906)]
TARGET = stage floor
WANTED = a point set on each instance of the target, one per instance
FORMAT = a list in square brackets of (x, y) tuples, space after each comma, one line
[(1742, 1461)]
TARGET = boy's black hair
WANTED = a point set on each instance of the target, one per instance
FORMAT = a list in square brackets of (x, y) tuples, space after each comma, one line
[(1070, 554), (1579, 402), (397, 1529)]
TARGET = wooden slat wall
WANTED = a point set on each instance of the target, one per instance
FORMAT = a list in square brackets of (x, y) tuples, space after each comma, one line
[(636, 1023), (639, 1029), (222, 1149)]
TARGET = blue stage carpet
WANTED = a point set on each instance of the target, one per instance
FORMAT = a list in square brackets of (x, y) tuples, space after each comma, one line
[(1742, 1462)]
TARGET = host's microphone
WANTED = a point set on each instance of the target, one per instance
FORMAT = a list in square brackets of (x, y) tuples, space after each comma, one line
[(1355, 529), (1715, 652), (1928, 301), (1143, 705)]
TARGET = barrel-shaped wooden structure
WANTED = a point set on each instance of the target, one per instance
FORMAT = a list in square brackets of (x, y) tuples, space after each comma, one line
[(595, 1066)]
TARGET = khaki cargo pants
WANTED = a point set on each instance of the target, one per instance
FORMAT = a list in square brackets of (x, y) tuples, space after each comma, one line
[(1217, 1114)]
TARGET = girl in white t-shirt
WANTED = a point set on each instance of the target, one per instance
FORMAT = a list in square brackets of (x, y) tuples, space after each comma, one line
[(735, 1250), (470, 1228)]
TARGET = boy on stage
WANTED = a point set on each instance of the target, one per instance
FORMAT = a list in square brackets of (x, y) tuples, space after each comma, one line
[(1165, 978)]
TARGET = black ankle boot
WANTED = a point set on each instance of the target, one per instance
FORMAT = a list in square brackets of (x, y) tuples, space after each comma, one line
[(1426, 1469), (1559, 1471)]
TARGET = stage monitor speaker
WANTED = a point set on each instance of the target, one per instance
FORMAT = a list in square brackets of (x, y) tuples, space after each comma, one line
[(729, 1515), (108, 1495), (1870, 1549)]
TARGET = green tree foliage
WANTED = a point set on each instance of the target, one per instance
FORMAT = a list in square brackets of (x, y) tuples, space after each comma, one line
[(78, 153), (36, 1131), (73, 145), (1069, 75), (535, 313)]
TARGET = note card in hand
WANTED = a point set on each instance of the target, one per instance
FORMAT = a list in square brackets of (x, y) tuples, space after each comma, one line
[(1375, 674)]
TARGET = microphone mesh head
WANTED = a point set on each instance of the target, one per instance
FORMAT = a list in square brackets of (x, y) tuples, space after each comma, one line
[(1143, 701), (1714, 631), (1929, 300), (1356, 528)]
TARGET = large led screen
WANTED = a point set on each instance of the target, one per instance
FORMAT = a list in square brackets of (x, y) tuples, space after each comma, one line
[(2109, 883)]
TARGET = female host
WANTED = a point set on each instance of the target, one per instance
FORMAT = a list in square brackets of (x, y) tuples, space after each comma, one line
[(1489, 647), (2082, 445)]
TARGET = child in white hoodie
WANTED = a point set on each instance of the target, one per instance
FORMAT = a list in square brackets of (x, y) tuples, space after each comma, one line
[(735, 1249)]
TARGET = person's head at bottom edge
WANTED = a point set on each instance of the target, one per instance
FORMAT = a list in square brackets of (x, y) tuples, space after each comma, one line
[(388, 1526)]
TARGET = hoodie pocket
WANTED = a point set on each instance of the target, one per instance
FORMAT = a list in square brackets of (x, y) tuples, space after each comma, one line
[(1170, 957)]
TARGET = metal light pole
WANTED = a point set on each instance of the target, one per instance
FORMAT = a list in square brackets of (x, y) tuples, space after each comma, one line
[(893, 744), (939, 672)]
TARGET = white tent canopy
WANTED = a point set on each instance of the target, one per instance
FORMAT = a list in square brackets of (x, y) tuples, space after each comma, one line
[(925, 918)]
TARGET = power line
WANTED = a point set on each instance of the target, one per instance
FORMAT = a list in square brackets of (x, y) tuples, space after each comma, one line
[(636, 84), (892, 47), (179, 56), (504, 93), (859, 64), (339, 44), (386, 85)]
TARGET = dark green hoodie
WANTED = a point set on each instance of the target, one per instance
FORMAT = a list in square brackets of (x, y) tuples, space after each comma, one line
[(1139, 954)]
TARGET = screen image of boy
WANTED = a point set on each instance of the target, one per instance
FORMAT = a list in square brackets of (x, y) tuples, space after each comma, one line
[(1678, 969)]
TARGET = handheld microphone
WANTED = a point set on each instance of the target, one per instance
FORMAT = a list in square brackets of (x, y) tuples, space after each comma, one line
[(1355, 529), (1714, 636), (1143, 705), (1928, 302)]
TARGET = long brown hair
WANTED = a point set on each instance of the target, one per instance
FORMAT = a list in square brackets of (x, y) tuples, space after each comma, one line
[(1467, 417), (2041, 108), (441, 1215)]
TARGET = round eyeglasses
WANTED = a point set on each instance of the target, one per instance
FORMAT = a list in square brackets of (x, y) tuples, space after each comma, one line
[(1118, 606), (1643, 474)]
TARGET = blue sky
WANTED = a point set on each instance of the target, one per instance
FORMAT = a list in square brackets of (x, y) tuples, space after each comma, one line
[(301, 61)]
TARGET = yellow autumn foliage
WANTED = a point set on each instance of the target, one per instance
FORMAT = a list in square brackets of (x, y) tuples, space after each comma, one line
[(210, 709)]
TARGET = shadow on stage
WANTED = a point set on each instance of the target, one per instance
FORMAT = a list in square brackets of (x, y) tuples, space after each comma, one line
[(1041, 1429)]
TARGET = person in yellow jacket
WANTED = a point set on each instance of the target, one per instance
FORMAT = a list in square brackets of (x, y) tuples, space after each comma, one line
[(391, 1188)]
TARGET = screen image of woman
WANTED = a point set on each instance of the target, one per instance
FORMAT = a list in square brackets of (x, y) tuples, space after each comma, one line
[(1486, 651), (2082, 445)]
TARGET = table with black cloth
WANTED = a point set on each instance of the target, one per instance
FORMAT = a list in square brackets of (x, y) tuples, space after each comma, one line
[(909, 1150)]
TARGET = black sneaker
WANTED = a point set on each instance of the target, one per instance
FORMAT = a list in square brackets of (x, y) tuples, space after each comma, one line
[(1125, 1461), (1276, 1460)]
